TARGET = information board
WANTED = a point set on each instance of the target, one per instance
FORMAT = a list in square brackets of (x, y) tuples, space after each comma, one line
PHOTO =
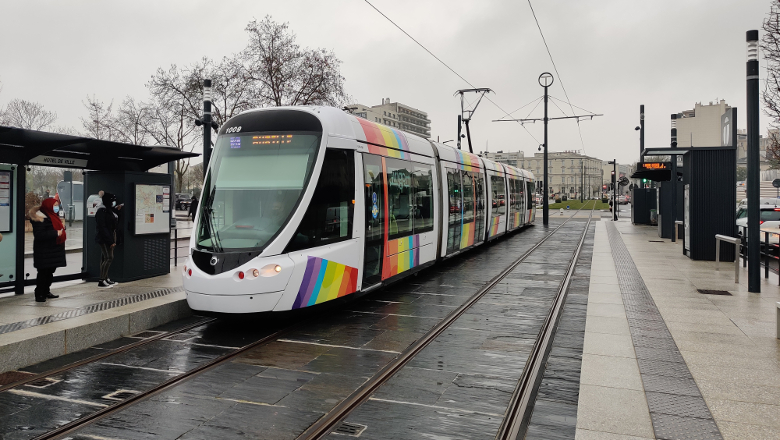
[(152, 209), (6, 195)]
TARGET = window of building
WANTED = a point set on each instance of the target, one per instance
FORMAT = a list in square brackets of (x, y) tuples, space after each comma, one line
[(328, 218)]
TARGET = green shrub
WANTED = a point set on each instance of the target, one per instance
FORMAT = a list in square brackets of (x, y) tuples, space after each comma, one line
[(564, 198), (604, 200)]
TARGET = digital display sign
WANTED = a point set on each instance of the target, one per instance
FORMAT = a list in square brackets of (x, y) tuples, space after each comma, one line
[(235, 142), (272, 139), (653, 165)]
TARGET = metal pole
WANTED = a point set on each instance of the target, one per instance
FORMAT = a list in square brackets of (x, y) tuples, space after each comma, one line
[(546, 203), (206, 124), (21, 181), (614, 190), (674, 174), (582, 179), (753, 189), (641, 129), (460, 127)]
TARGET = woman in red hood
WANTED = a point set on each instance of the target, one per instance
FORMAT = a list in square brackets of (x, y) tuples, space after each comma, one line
[(48, 246)]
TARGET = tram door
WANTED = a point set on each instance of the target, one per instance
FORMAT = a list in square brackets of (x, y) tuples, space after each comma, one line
[(373, 179)]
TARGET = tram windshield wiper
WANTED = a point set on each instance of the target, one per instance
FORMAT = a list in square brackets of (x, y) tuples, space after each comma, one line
[(209, 214)]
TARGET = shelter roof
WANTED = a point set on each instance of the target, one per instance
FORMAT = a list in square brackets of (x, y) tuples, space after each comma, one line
[(22, 147)]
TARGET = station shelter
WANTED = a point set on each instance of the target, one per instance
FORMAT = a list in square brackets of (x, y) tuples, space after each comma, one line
[(701, 192), (116, 167)]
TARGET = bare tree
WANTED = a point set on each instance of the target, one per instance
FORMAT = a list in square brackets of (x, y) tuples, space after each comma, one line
[(99, 123), (130, 121), (28, 115), (287, 74), (770, 45), (170, 124)]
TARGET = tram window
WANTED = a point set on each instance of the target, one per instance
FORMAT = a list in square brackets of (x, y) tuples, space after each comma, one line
[(454, 223), (468, 196), (520, 195), (328, 218), (479, 203), (422, 184), (499, 195), (530, 194), (400, 198)]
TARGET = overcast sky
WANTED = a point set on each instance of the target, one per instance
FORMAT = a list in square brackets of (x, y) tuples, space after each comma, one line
[(612, 56)]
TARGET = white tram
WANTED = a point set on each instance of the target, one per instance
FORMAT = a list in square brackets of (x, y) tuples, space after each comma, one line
[(302, 205)]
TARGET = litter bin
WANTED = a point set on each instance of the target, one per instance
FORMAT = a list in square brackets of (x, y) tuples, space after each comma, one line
[(653, 216)]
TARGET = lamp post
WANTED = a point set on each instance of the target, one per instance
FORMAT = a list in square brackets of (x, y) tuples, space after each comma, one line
[(545, 80), (614, 189), (754, 251)]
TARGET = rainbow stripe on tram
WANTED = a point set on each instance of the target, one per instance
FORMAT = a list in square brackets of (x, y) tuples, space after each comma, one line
[(466, 235), (384, 141), (402, 254), (323, 281), (494, 226), (468, 161), (517, 220)]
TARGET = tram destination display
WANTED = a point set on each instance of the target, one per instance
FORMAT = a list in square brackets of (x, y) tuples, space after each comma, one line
[(152, 209)]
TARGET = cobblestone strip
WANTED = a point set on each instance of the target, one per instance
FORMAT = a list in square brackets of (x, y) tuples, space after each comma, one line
[(677, 409), (86, 310)]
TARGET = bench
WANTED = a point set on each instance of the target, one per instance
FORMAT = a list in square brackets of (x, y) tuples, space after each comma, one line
[(736, 242)]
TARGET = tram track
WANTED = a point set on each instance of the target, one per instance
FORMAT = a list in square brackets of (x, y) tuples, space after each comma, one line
[(332, 419), (108, 353), (518, 411)]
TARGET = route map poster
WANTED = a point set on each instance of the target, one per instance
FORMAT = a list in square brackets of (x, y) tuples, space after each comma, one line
[(152, 210), (6, 193)]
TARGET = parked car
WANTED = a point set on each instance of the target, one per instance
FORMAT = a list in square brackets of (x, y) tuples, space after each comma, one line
[(770, 218), (182, 202), (622, 200)]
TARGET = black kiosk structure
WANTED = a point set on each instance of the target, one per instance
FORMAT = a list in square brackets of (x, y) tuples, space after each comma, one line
[(701, 193), (116, 167)]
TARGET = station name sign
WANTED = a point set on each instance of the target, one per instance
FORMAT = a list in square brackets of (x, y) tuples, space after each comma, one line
[(654, 166), (53, 161)]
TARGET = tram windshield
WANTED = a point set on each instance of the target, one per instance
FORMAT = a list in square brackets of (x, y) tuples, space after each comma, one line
[(255, 182)]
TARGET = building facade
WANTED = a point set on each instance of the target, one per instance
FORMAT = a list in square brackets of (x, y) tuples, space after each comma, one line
[(700, 127), (568, 173), (397, 115)]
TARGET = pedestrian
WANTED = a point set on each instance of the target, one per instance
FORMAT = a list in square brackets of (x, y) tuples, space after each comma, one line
[(193, 208), (106, 219), (48, 246)]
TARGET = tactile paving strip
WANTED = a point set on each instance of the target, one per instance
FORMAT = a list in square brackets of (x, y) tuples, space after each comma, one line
[(677, 408), (92, 308)]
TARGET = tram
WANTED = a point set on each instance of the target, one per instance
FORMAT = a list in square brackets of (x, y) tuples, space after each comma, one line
[(303, 205)]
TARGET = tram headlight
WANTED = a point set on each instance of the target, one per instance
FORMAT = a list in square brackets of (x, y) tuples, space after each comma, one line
[(270, 270), (255, 273)]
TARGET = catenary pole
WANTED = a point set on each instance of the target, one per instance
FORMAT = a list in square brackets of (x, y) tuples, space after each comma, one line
[(641, 129), (674, 177), (545, 80), (753, 190), (206, 124)]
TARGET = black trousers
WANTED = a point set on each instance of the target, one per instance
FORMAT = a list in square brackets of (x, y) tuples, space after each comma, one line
[(43, 281), (106, 257)]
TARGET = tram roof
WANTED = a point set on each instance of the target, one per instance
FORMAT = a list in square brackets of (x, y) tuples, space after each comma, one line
[(21, 146)]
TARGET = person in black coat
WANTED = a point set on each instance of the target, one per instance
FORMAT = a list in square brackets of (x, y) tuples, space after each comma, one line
[(106, 219), (48, 246), (193, 208)]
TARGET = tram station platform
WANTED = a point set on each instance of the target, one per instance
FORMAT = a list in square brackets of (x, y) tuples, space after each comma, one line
[(663, 360), (83, 316)]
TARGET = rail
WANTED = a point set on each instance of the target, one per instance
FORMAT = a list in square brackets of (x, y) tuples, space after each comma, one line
[(330, 421)]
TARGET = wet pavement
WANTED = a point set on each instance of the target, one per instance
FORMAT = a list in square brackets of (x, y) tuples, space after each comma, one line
[(458, 387)]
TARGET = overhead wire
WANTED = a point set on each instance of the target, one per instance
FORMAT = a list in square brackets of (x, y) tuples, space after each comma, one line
[(556, 71), (446, 65)]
